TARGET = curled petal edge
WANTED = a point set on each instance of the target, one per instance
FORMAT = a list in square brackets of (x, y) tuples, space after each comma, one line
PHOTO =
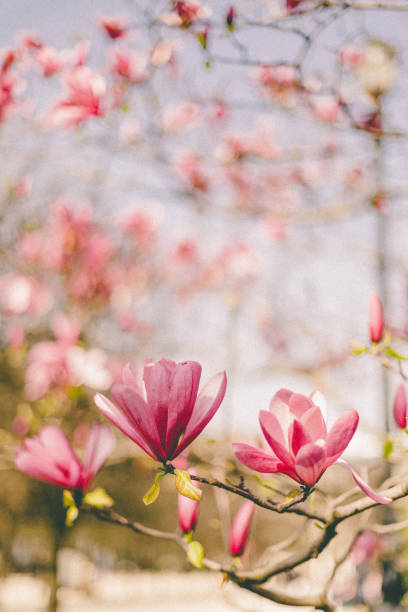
[(380, 499)]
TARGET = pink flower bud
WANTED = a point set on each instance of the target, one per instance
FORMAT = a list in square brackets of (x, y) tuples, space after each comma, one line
[(187, 513), (230, 18), (376, 319), (400, 407), (240, 529)]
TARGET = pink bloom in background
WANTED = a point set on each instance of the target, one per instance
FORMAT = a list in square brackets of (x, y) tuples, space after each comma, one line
[(21, 294), (376, 319), (129, 64), (179, 116), (295, 429), (49, 60), (159, 408), (86, 91), (49, 457), (115, 27), (400, 407), (187, 510), (240, 529)]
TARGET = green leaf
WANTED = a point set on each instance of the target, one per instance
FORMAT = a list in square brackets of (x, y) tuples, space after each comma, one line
[(185, 486), (388, 447), (98, 498), (294, 493), (67, 499), (390, 351), (319, 525), (71, 516), (72, 510), (153, 492), (195, 554), (202, 39), (356, 349)]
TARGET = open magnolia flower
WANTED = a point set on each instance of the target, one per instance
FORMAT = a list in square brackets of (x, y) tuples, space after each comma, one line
[(302, 448), (159, 408), (49, 456)]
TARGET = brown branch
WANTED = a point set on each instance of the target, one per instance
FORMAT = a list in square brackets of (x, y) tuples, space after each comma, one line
[(273, 594), (243, 491)]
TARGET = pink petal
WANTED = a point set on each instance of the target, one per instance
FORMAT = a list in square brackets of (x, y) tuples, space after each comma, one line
[(340, 435), (127, 377), (141, 415), (298, 437), (240, 528), (284, 395), (314, 424), (400, 407), (60, 451), (274, 436), (129, 428), (49, 456), (182, 397), (157, 378), (256, 459), (40, 468), (100, 445), (207, 404), (380, 499), (310, 463), (299, 404)]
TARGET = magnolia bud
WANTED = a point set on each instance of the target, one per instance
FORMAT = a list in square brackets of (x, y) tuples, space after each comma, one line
[(400, 407), (376, 320), (240, 529)]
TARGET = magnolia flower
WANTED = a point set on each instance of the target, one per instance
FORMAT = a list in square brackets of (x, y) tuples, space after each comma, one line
[(240, 529), (400, 407), (49, 457), (376, 320), (159, 408), (115, 27), (295, 429)]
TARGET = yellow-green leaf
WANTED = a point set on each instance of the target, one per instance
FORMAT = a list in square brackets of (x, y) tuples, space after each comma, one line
[(153, 492), (70, 505), (185, 486), (68, 499), (98, 498), (195, 554), (388, 446), (71, 516)]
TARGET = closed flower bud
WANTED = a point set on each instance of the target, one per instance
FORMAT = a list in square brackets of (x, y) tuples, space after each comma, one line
[(376, 320), (400, 407), (240, 529)]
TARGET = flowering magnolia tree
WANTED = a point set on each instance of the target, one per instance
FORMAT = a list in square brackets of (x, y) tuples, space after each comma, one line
[(173, 182)]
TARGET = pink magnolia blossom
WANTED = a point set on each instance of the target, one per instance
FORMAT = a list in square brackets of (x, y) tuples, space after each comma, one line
[(21, 294), (159, 408), (49, 457), (86, 91), (129, 64), (187, 510), (180, 116), (376, 319), (115, 27), (302, 448), (240, 529), (400, 407), (49, 60)]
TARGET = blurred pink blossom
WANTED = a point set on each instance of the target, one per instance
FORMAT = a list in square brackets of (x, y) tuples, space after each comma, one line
[(49, 457), (85, 97), (115, 27)]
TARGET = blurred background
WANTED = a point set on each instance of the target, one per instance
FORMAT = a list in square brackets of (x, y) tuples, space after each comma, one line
[(216, 182)]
